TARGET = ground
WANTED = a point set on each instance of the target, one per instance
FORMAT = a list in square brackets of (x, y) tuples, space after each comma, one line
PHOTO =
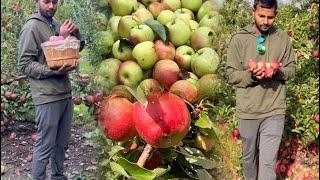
[(81, 159)]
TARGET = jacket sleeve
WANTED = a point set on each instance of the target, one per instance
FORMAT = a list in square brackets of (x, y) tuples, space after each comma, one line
[(237, 76), (287, 70), (28, 53)]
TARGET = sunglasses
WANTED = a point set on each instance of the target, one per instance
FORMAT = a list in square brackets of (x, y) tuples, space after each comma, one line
[(260, 47)]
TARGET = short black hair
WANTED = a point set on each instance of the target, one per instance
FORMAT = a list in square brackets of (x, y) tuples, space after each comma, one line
[(266, 4)]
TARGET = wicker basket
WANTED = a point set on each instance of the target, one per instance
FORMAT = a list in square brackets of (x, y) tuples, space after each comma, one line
[(61, 52)]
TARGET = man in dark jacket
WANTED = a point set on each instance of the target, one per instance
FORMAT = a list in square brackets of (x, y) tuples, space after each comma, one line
[(260, 98), (50, 89)]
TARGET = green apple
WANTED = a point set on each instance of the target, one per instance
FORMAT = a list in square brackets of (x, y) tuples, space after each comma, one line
[(142, 14), (192, 78), (102, 4), (141, 33), (140, 5), (123, 7), (103, 41), (211, 85), (184, 14), (179, 31), (202, 37), (193, 5), (213, 20), (106, 76), (130, 73), (123, 53), (126, 23), (145, 54), (113, 26), (166, 16), (204, 61), (173, 5), (155, 8), (148, 85), (193, 25), (204, 9), (102, 20), (183, 56)]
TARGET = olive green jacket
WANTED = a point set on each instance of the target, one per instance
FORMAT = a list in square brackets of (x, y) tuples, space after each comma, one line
[(259, 98), (45, 87)]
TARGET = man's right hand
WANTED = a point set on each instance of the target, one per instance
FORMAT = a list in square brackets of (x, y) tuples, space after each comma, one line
[(64, 69), (258, 73)]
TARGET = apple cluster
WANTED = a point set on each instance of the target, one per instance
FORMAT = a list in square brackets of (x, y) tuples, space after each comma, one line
[(164, 51), (161, 44), (269, 68)]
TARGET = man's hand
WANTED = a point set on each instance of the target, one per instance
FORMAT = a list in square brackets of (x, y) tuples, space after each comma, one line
[(258, 72), (64, 69), (72, 28)]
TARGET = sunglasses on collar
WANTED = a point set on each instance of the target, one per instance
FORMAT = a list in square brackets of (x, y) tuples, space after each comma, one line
[(260, 47)]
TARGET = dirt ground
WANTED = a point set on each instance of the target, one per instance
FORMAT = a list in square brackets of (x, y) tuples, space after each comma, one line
[(81, 158)]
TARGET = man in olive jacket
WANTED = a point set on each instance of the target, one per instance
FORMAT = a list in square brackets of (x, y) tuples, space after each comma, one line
[(50, 89), (260, 99)]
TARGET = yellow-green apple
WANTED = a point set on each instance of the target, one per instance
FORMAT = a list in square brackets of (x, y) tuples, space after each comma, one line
[(142, 14), (179, 31), (205, 61), (148, 85), (164, 51), (123, 53), (191, 77), (102, 3), (183, 56), (166, 16), (130, 73), (210, 85), (204, 9), (204, 142), (141, 33), (184, 14), (126, 23), (102, 20), (145, 54), (155, 8), (193, 25), (113, 26), (202, 37), (106, 76), (123, 7), (213, 20), (140, 5), (173, 5), (147, 2), (121, 91), (185, 89), (193, 5), (166, 72), (104, 41)]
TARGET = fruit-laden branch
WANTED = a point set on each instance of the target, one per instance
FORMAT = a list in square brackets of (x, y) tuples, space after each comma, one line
[(144, 156), (9, 81)]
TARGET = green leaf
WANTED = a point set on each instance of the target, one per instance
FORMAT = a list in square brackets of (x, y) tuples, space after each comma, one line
[(119, 169), (203, 174), (200, 161), (136, 171), (139, 95), (158, 28), (204, 121), (160, 171)]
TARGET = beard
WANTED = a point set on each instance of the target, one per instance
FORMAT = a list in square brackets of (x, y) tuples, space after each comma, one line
[(47, 14), (262, 28)]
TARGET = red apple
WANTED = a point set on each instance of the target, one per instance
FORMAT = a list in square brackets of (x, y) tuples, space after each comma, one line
[(164, 51)]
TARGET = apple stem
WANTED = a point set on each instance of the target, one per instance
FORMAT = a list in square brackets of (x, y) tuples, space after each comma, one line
[(144, 156)]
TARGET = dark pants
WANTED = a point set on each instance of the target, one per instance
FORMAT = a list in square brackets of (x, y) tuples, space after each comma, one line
[(261, 138), (54, 124)]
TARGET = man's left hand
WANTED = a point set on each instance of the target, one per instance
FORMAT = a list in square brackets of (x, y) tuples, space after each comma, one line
[(72, 28)]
